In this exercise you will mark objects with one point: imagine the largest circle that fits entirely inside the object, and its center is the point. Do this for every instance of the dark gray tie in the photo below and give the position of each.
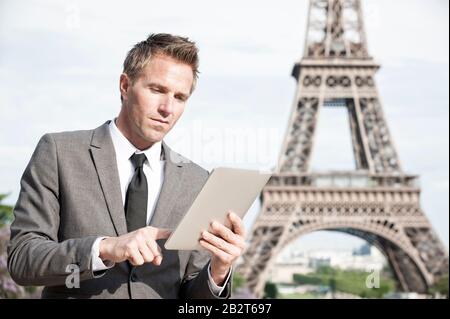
(137, 194)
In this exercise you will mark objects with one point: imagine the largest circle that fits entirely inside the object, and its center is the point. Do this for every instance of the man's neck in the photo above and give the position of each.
(133, 138)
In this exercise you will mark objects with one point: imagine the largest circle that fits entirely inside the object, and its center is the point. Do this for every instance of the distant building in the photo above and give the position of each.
(364, 250)
(317, 262)
(284, 273)
(293, 261)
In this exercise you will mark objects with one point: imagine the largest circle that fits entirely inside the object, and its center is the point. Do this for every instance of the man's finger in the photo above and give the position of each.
(154, 248)
(223, 256)
(220, 244)
(157, 261)
(227, 234)
(236, 222)
(136, 258)
(146, 253)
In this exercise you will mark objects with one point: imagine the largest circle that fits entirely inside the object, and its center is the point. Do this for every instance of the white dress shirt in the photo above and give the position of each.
(154, 172)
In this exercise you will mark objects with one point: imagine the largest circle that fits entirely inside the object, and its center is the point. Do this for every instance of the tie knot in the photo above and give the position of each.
(138, 159)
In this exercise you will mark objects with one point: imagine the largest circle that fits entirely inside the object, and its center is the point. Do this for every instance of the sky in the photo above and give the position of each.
(60, 63)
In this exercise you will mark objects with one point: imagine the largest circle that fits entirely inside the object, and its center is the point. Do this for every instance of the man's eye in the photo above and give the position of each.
(155, 90)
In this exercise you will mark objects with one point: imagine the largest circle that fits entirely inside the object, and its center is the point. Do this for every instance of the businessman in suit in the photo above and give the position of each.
(103, 200)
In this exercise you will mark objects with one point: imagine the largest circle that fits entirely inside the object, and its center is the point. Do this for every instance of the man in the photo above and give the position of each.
(102, 201)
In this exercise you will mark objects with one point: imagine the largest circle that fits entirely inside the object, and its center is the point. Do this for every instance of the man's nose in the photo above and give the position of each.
(166, 105)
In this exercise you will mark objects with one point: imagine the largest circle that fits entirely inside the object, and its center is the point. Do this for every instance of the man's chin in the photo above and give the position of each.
(154, 137)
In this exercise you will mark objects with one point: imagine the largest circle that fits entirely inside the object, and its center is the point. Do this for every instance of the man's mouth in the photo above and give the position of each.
(160, 121)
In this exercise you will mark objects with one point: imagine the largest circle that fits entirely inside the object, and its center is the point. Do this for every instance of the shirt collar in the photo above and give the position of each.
(124, 148)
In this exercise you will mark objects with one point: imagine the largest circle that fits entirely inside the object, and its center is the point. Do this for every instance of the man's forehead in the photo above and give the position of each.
(165, 63)
(166, 71)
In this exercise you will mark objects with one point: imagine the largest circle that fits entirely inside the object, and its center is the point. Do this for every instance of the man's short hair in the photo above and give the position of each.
(176, 47)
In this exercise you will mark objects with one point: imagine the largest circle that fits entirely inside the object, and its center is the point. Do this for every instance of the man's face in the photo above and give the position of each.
(155, 101)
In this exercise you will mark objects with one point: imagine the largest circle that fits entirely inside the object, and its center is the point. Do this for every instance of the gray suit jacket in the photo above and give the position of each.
(70, 194)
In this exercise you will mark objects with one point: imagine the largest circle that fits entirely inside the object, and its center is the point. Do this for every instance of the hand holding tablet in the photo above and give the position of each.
(227, 189)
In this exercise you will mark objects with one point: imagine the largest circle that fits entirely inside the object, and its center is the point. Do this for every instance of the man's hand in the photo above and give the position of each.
(138, 247)
(226, 245)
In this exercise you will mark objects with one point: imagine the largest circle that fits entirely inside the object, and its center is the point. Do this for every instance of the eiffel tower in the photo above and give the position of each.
(377, 201)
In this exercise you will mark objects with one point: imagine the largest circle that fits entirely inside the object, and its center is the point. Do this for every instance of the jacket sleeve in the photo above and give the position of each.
(35, 256)
(195, 282)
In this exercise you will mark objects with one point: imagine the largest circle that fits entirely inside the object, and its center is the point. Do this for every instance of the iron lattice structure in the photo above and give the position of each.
(377, 201)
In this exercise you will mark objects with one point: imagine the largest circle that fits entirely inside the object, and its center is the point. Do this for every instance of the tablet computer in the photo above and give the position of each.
(226, 189)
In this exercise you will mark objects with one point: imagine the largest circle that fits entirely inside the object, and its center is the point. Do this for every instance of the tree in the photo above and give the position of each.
(238, 282)
(332, 285)
(441, 286)
(6, 212)
(270, 290)
(8, 288)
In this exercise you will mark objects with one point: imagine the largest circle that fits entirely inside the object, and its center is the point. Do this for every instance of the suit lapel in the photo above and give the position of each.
(171, 188)
(104, 157)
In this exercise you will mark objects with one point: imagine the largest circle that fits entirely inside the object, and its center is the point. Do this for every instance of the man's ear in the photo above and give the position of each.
(124, 85)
